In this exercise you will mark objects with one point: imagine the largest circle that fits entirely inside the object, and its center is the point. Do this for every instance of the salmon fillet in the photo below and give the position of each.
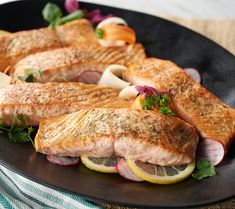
(143, 135)
(36, 101)
(72, 64)
(18, 45)
(192, 102)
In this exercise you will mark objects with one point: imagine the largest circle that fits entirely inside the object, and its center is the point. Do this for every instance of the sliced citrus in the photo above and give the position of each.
(4, 33)
(101, 164)
(160, 174)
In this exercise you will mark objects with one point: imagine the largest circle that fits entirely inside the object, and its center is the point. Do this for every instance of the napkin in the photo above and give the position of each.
(17, 192)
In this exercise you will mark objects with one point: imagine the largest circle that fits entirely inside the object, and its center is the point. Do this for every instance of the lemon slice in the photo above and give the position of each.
(4, 33)
(102, 164)
(161, 174)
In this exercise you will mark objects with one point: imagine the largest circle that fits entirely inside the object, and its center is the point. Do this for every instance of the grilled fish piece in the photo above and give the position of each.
(18, 45)
(36, 101)
(192, 102)
(73, 64)
(143, 135)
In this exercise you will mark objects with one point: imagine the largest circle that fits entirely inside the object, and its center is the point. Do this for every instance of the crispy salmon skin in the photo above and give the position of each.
(18, 45)
(70, 64)
(37, 101)
(142, 135)
(192, 102)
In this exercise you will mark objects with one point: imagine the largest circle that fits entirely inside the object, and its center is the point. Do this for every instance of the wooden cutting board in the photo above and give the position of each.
(222, 32)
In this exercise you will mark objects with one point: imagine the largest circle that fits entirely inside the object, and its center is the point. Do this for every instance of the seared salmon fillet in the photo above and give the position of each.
(18, 45)
(36, 101)
(192, 102)
(75, 64)
(142, 135)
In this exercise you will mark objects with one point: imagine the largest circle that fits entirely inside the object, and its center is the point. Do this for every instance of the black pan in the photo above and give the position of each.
(162, 39)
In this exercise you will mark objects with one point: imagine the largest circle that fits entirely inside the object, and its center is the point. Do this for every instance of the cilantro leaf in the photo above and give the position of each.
(203, 169)
(164, 100)
(149, 102)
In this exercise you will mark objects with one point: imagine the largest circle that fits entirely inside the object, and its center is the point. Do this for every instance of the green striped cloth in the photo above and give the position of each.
(17, 192)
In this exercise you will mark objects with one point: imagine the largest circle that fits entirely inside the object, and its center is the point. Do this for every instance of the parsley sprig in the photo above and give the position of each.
(19, 132)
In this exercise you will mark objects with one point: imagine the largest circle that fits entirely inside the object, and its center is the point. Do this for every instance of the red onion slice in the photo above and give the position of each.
(90, 77)
(63, 161)
(124, 170)
(210, 150)
(194, 74)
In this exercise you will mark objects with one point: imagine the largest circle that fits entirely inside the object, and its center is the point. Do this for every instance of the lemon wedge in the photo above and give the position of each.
(160, 174)
(102, 164)
(4, 33)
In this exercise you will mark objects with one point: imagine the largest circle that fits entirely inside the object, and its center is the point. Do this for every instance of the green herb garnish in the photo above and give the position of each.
(51, 12)
(30, 72)
(203, 169)
(19, 132)
(73, 16)
(53, 15)
(158, 101)
(99, 33)
(166, 111)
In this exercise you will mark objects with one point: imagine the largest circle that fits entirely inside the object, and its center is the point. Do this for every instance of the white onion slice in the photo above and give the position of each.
(109, 43)
(210, 150)
(124, 170)
(63, 161)
(110, 77)
(194, 74)
(4, 80)
(112, 21)
(128, 92)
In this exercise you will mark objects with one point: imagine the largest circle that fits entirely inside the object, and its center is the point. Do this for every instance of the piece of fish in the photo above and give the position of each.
(192, 102)
(18, 45)
(83, 64)
(142, 135)
(36, 101)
